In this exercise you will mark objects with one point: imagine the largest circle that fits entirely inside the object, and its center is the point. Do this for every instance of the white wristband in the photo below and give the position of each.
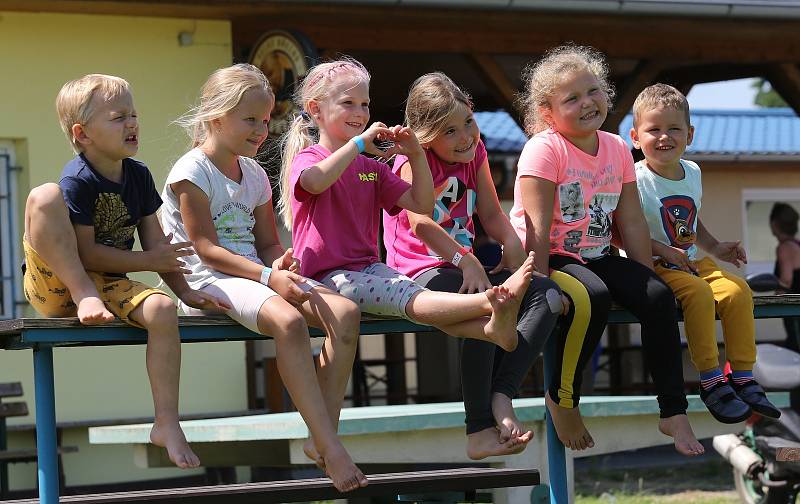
(456, 258)
(265, 273)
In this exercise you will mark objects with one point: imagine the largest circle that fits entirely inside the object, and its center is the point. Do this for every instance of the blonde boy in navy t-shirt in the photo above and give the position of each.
(78, 249)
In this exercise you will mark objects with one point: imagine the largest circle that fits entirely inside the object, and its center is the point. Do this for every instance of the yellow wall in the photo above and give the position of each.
(38, 53)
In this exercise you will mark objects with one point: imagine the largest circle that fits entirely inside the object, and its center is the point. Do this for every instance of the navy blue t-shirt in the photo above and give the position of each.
(114, 210)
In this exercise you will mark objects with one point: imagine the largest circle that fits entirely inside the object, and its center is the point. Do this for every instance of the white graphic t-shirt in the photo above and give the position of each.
(671, 206)
(231, 206)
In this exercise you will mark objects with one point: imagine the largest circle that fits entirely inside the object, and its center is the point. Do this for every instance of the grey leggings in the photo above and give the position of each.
(485, 367)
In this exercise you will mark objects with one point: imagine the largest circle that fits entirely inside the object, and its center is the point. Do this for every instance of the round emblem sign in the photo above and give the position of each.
(285, 58)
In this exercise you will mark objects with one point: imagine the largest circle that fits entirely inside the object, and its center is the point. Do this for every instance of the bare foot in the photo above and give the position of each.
(679, 429)
(486, 443)
(502, 326)
(518, 283)
(569, 425)
(508, 424)
(342, 471)
(171, 437)
(310, 449)
(92, 311)
(522, 442)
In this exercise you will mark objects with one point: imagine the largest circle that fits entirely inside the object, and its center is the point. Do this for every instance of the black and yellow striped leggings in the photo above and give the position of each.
(592, 286)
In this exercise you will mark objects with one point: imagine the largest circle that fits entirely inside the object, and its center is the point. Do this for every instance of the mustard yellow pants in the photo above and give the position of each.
(714, 291)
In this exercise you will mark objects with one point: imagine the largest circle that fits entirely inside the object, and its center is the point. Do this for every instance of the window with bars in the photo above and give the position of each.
(10, 237)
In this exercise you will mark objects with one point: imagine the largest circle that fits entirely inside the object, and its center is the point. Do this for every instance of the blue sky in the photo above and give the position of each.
(734, 94)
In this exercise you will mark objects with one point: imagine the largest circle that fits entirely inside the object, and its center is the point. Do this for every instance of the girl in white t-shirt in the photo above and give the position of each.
(575, 183)
(219, 198)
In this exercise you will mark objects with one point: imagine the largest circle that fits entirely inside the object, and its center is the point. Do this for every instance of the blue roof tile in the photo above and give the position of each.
(768, 131)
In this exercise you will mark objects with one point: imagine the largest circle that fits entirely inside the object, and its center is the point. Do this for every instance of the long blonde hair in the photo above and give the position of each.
(543, 77)
(303, 130)
(220, 94)
(431, 100)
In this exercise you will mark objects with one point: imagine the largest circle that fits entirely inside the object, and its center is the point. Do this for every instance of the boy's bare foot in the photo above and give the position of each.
(310, 449)
(569, 425)
(171, 437)
(678, 428)
(342, 471)
(508, 424)
(502, 326)
(486, 443)
(92, 311)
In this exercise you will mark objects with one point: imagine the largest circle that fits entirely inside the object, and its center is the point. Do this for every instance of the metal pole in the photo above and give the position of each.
(46, 444)
(556, 458)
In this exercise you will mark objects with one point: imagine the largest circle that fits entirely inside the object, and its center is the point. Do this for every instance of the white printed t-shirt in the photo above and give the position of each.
(231, 206)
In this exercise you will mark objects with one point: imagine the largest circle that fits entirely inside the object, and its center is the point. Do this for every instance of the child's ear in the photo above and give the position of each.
(79, 134)
(635, 139)
(313, 108)
(691, 135)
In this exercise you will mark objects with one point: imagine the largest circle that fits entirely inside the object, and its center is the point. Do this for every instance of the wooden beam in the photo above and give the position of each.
(496, 79)
(645, 73)
(420, 482)
(12, 389)
(785, 80)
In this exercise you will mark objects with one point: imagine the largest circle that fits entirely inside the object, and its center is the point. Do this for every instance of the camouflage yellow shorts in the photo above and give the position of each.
(50, 297)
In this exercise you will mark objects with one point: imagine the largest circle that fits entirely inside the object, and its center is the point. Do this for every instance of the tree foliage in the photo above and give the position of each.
(766, 96)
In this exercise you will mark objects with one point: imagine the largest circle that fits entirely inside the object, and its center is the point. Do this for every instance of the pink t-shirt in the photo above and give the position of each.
(587, 190)
(455, 188)
(338, 228)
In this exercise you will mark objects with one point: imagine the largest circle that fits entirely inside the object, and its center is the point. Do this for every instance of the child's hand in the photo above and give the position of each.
(287, 262)
(475, 279)
(731, 252)
(376, 131)
(203, 301)
(565, 304)
(287, 285)
(511, 260)
(405, 142)
(679, 258)
(164, 256)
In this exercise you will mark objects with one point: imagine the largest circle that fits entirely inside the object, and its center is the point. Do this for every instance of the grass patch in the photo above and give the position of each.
(709, 482)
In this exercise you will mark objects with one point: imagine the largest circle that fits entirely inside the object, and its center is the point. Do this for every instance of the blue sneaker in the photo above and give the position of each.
(724, 405)
(752, 393)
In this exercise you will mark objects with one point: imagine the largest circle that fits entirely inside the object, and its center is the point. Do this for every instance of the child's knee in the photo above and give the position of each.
(737, 291)
(160, 311)
(349, 315)
(699, 292)
(283, 323)
(44, 197)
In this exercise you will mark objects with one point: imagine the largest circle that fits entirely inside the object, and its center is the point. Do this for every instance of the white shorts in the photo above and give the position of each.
(377, 289)
(245, 297)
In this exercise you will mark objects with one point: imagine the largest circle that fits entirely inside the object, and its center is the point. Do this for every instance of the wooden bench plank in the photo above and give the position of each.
(13, 389)
(12, 409)
(30, 455)
(461, 479)
(28, 332)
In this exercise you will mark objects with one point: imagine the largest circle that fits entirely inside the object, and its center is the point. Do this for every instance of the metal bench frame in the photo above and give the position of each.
(41, 335)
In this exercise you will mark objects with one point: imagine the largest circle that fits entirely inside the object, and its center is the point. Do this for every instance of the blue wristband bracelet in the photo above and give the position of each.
(265, 274)
(359, 143)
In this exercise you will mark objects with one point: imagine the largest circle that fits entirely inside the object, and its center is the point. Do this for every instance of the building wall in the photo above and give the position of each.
(38, 53)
